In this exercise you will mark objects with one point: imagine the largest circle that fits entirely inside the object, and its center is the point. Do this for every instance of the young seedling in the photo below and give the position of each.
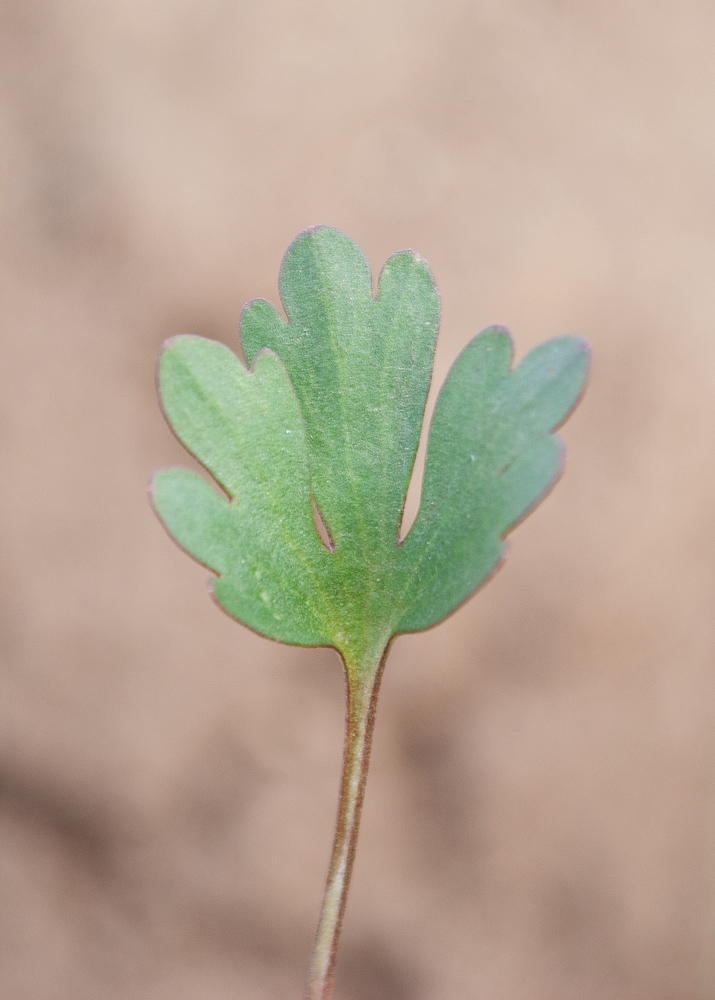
(325, 423)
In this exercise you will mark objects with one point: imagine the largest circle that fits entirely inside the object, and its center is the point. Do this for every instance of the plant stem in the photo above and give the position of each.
(362, 687)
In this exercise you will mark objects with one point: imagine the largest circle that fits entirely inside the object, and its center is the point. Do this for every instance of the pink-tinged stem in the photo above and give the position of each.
(362, 684)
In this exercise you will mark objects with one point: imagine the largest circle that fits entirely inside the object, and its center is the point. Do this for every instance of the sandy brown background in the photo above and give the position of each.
(540, 819)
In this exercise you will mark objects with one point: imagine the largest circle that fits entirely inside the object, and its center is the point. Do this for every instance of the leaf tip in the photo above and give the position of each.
(264, 353)
(501, 330)
(320, 230)
(173, 342)
(151, 485)
(584, 352)
(581, 348)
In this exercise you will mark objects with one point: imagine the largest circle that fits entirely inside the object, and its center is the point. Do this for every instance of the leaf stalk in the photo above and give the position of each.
(362, 684)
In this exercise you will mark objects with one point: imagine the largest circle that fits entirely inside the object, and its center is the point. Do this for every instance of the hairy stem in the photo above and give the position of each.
(362, 687)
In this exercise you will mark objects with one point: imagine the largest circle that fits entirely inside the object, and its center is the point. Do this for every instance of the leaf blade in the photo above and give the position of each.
(246, 429)
(361, 369)
(331, 413)
(489, 462)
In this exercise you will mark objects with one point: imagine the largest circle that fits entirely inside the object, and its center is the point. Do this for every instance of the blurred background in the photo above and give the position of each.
(540, 818)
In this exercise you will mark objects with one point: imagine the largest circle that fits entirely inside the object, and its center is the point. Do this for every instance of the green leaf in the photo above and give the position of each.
(339, 425)
(491, 457)
(246, 429)
(361, 369)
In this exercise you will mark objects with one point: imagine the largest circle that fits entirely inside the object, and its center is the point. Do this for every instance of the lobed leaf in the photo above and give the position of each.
(246, 429)
(491, 457)
(361, 369)
(337, 421)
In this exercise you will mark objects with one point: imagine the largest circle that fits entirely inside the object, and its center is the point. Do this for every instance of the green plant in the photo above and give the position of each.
(330, 414)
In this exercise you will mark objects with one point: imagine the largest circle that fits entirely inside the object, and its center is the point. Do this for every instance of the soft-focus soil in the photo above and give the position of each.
(539, 820)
